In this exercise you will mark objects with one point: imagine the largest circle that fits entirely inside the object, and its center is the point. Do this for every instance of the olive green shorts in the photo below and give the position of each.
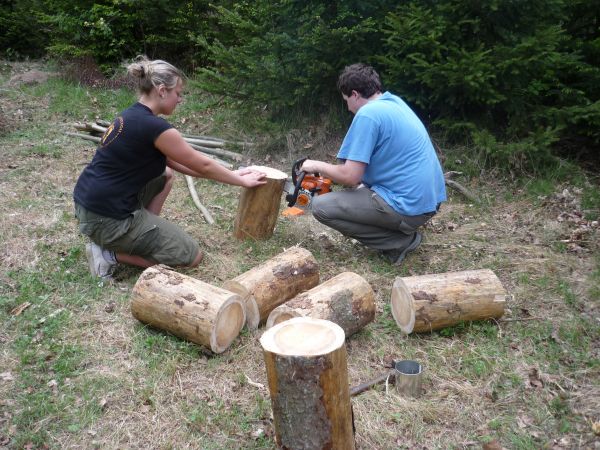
(142, 233)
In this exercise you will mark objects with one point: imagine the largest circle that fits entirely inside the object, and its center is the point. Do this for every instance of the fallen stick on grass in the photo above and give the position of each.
(459, 187)
(205, 212)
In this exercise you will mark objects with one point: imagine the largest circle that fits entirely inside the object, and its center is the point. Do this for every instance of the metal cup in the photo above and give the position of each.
(408, 378)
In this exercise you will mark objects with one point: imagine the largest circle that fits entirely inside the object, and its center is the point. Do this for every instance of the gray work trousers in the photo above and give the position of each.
(363, 215)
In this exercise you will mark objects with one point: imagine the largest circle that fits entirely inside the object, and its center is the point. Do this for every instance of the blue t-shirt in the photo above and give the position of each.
(124, 162)
(402, 167)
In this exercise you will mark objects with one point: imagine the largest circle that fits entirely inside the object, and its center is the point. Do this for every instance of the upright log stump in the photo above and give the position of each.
(346, 299)
(188, 308)
(307, 371)
(258, 207)
(431, 302)
(278, 279)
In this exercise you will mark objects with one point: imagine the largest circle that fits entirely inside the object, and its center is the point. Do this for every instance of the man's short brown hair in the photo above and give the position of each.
(361, 78)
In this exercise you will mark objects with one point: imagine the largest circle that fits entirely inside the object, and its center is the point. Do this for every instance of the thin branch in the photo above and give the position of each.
(87, 137)
(459, 187)
(204, 142)
(205, 212)
(218, 152)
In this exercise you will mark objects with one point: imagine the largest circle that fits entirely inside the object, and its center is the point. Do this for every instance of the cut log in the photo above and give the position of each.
(278, 279)
(346, 299)
(306, 364)
(258, 207)
(431, 302)
(188, 308)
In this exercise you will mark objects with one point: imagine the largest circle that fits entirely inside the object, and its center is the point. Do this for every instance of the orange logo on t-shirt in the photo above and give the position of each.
(112, 132)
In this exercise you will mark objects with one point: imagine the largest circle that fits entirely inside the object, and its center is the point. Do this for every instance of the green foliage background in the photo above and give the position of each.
(518, 80)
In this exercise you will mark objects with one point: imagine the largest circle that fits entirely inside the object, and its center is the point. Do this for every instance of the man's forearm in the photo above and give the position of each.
(350, 173)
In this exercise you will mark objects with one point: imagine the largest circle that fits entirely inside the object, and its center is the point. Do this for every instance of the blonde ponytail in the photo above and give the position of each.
(151, 74)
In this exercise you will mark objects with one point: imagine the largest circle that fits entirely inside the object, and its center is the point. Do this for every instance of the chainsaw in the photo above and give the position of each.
(305, 188)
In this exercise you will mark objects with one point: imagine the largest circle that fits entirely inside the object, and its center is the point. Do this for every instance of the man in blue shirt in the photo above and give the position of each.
(389, 161)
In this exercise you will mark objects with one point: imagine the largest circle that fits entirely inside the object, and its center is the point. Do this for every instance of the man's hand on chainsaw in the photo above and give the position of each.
(350, 173)
(311, 166)
(251, 177)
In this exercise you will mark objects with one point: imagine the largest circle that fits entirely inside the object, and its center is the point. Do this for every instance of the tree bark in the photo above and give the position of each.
(278, 279)
(431, 302)
(258, 207)
(306, 364)
(188, 308)
(346, 299)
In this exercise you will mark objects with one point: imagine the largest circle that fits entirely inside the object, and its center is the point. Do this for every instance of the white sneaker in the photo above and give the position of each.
(99, 267)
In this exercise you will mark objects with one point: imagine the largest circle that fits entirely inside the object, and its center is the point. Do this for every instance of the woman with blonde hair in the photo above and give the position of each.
(120, 194)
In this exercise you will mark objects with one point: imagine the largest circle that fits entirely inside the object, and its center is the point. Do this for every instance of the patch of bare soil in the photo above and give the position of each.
(16, 109)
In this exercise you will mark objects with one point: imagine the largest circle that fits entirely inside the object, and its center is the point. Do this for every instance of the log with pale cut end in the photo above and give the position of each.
(188, 308)
(258, 207)
(271, 283)
(346, 299)
(431, 302)
(307, 370)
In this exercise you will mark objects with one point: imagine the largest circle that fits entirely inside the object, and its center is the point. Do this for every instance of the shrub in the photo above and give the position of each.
(509, 75)
(286, 54)
(112, 31)
(20, 32)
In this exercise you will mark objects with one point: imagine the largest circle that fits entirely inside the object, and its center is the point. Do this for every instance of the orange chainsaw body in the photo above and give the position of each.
(312, 185)
(305, 188)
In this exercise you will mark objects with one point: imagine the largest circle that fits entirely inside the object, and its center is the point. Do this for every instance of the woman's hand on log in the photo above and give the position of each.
(251, 177)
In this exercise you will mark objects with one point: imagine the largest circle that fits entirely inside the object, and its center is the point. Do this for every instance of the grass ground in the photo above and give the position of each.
(78, 371)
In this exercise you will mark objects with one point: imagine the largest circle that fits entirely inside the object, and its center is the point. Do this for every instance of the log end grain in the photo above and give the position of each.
(281, 314)
(402, 305)
(228, 324)
(303, 336)
(270, 172)
(252, 313)
(250, 304)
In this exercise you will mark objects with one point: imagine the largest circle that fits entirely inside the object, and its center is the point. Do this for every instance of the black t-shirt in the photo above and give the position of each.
(123, 164)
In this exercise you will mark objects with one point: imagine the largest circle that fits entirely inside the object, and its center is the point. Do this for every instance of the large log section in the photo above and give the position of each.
(188, 308)
(278, 279)
(258, 207)
(307, 370)
(430, 302)
(346, 299)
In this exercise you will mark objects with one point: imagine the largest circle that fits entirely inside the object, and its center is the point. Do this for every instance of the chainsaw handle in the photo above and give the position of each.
(296, 170)
(297, 178)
